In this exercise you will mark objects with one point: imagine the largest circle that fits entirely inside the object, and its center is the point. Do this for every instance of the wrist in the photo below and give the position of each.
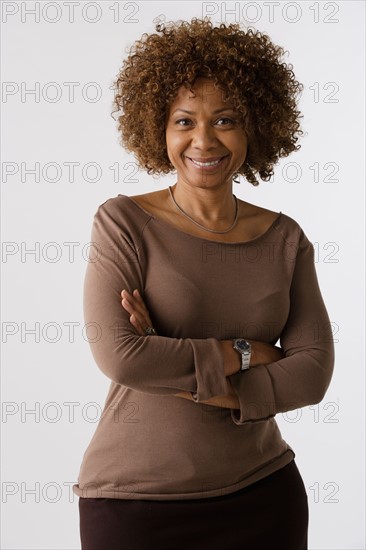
(232, 359)
(244, 349)
(252, 352)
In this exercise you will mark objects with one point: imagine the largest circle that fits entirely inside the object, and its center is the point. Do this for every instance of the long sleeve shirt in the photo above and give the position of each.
(150, 444)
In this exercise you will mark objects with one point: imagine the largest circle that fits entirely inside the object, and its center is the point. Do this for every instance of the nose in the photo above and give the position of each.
(203, 136)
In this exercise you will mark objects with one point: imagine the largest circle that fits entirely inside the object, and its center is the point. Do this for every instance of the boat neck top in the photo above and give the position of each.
(169, 226)
(151, 444)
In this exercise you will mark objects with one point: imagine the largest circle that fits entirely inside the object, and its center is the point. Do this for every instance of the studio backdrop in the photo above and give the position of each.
(61, 159)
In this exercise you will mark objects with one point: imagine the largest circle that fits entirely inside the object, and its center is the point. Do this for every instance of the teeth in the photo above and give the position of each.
(206, 163)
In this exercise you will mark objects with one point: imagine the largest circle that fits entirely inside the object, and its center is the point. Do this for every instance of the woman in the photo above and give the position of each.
(185, 299)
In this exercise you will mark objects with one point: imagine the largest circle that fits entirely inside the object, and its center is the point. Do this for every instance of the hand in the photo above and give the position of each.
(134, 304)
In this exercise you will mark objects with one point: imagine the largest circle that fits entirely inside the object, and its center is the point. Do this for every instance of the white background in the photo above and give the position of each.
(44, 452)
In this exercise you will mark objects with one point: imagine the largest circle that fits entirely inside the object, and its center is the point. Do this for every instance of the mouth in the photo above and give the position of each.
(209, 163)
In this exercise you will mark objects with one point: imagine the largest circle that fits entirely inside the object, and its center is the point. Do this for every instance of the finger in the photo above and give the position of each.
(137, 304)
(135, 322)
(131, 308)
(139, 307)
(137, 325)
(132, 304)
(140, 318)
(139, 300)
(140, 327)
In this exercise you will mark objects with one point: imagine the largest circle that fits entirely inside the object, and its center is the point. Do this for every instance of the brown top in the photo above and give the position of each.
(150, 444)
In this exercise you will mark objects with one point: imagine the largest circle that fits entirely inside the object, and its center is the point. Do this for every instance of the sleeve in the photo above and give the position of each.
(151, 364)
(302, 377)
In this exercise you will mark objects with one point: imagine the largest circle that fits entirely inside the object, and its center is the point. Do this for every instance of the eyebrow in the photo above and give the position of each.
(213, 112)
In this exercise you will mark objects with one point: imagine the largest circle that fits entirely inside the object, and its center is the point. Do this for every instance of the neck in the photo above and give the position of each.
(211, 207)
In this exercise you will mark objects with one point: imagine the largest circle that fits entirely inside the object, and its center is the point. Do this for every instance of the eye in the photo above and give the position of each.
(181, 120)
(226, 118)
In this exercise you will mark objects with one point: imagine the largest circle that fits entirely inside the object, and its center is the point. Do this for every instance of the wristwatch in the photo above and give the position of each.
(245, 348)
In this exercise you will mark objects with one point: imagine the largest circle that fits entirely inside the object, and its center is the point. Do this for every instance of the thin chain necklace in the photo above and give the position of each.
(201, 226)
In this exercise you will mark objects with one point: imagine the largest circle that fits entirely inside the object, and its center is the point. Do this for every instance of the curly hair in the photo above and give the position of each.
(245, 64)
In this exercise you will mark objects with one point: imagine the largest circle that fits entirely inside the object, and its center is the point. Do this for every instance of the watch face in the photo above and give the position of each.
(242, 345)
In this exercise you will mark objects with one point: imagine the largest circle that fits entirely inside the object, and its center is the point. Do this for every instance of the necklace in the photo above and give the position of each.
(201, 226)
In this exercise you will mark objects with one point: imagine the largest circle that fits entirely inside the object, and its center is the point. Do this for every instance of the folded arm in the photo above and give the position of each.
(303, 375)
(152, 364)
(261, 351)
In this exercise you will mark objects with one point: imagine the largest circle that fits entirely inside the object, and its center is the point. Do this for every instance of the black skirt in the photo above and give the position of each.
(270, 513)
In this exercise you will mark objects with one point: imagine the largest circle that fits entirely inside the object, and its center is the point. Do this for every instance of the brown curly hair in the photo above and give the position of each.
(245, 64)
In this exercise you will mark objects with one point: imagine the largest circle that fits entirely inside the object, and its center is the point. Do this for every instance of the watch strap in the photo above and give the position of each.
(245, 355)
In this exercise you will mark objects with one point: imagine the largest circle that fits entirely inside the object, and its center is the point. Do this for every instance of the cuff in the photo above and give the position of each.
(209, 365)
(254, 390)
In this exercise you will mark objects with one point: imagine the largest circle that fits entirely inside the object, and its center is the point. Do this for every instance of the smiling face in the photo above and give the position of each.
(209, 132)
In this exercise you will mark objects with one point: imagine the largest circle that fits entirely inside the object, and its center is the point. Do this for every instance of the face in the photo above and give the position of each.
(209, 132)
